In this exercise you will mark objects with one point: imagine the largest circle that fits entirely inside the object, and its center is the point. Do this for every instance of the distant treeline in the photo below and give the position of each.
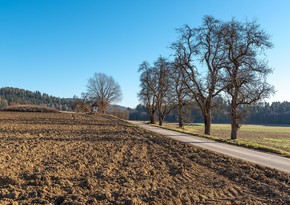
(261, 113)
(266, 113)
(12, 96)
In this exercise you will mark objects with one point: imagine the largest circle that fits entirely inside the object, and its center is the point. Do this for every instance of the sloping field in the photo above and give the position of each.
(57, 158)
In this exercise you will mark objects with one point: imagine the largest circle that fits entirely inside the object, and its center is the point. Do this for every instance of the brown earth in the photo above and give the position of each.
(57, 158)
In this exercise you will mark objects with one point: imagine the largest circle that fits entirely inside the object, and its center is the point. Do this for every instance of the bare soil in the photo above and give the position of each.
(57, 158)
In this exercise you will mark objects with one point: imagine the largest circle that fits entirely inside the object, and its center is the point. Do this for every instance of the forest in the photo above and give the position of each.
(12, 96)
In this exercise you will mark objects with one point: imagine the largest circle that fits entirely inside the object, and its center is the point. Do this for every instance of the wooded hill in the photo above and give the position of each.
(11, 96)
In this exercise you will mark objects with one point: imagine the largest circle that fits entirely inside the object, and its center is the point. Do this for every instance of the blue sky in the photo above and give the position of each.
(54, 46)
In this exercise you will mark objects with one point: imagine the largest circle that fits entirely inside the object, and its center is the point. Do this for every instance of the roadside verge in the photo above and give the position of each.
(261, 158)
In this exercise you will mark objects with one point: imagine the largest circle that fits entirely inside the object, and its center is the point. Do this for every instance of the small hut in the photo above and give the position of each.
(95, 108)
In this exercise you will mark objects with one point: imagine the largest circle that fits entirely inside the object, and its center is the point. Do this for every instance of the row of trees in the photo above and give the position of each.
(162, 89)
(216, 60)
(261, 113)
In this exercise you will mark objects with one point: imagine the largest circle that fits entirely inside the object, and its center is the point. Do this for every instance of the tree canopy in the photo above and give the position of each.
(103, 90)
(217, 60)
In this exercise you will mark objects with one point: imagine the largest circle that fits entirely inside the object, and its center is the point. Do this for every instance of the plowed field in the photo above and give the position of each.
(57, 158)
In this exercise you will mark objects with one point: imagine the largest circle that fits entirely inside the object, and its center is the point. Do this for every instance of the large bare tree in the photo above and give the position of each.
(149, 89)
(180, 90)
(246, 70)
(200, 55)
(165, 95)
(103, 90)
(157, 88)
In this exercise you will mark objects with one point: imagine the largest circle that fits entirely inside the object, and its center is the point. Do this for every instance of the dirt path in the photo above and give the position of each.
(51, 158)
(261, 158)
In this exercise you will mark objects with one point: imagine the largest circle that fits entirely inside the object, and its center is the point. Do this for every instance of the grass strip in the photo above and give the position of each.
(241, 143)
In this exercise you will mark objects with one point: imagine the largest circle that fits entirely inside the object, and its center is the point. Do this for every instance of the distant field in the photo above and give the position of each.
(276, 137)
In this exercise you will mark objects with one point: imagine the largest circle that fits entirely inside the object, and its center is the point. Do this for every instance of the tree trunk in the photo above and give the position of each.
(207, 123)
(161, 119)
(180, 120)
(234, 121)
(102, 109)
(180, 117)
(234, 131)
(160, 122)
(152, 119)
(207, 116)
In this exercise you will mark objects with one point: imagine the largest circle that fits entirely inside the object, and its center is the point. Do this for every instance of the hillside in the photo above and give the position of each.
(62, 158)
(12, 96)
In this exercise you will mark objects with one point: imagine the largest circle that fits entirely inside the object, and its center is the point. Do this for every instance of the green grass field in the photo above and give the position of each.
(268, 138)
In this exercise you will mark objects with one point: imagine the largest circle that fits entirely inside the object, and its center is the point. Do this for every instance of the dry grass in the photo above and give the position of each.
(268, 138)
(62, 158)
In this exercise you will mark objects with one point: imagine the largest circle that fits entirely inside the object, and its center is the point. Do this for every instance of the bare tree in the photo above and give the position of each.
(246, 71)
(165, 94)
(103, 90)
(196, 49)
(180, 89)
(156, 88)
(148, 92)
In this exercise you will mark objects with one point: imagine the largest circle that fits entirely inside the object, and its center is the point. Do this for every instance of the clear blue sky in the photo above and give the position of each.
(54, 46)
